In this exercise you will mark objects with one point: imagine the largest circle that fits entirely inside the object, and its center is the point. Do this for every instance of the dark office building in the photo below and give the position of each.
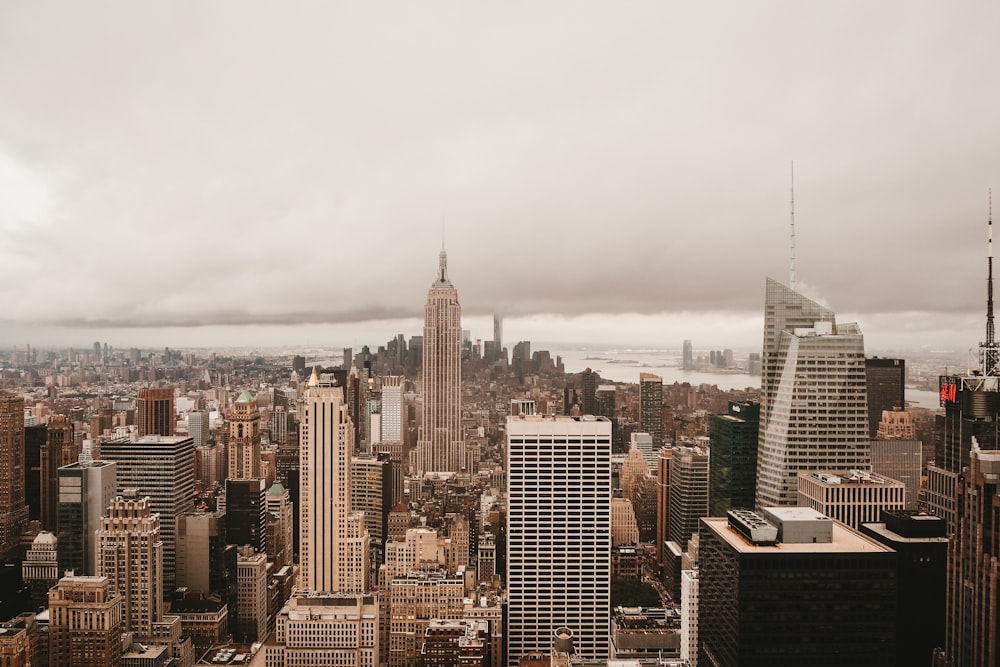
(246, 513)
(886, 380)
(732, 475)
(588, 390)
(651, 407)
(921, 546)
(792, 587)
(34, 443)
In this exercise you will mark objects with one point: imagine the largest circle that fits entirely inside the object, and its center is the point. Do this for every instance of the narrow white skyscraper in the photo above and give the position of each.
(558, 533)
(333, 540)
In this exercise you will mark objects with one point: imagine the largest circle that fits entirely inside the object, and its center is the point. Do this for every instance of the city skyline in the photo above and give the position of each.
(584, 164)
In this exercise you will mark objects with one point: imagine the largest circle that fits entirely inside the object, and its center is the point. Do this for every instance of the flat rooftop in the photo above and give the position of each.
(844, 541)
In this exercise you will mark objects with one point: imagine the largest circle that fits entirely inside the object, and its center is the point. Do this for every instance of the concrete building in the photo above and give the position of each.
(154, 412)
(814, 414)
(252, 598)
(624, 529)
(86, 621)
(663, 504)
(853, 497)
(198, 422)
(40, 569)
(455, 643)
(13, 508)
(85, 490)
(441, 443)
(324, 629)
(281, 524)
(558, 533)
(200, 552)
(787, 586)
(689, 616)
(161, 467)
(372, 493)
(732, 481)
(392, 408)
(651, 407)
(334, 553)
(414, 600)
(244, 438)
(688, 492)
(130, 555)
(896, 453)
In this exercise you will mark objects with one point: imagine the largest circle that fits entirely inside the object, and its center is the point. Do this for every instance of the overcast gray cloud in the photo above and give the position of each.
(182, 164)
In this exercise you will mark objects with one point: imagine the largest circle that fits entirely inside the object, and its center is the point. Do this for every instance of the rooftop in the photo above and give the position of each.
(845, 540)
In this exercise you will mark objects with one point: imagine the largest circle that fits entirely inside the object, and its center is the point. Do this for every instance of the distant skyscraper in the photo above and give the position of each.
(155, 411)
(161, 467)
(651, 407)
(809, 361)
(886, 381)
(897, 453)
(334, 543)
(733, 472)
(198, 426)
(130, 555)
(687, 356)
(13, 509)
(441, 446)
(246, 512)
(85, 489)
(558, 533)
(498, 331)
(392, 408)
(588, 388)
(244, 438)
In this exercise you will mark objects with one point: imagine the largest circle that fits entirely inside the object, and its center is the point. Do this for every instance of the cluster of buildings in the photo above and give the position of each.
(350, 516)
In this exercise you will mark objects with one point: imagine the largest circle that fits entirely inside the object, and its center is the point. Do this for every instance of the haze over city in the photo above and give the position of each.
(203, 174)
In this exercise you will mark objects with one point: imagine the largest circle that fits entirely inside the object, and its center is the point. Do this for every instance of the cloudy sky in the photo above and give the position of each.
(207, 173)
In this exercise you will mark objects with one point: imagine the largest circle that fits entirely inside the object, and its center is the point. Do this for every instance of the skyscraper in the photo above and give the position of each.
(244, 438)
(687, 358)
(130, 555)
(161, 467)
(558, 533)
(86, 620)
(815, 411)
(651, 407)
(886, 380)
(733, 473)
(688, 492)
(85, 489)
(392, 409)
(441, 446)
(333, 540)
(60, 450)
(246, 513)
(155, 411)
(13, 510)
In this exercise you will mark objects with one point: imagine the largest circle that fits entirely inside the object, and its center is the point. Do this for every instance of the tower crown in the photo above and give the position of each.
(442, 275)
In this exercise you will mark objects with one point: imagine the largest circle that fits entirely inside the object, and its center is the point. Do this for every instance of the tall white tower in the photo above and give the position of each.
(558, 533)
(333, 540)
(814, 414)
(441, 447)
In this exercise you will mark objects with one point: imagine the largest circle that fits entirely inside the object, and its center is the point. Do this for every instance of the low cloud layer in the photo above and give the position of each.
(209, 164)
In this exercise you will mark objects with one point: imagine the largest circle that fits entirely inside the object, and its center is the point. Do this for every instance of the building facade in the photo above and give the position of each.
(558, 533)
(851, 497)
(734, 436)
(154, 412)
(651, 407)
(85, 489)
(13, 509)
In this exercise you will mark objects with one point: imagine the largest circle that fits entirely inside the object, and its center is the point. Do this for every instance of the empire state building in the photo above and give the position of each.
(440, 447)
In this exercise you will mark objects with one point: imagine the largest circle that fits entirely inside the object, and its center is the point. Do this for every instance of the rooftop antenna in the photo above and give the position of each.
(791, 276)
(990, 346)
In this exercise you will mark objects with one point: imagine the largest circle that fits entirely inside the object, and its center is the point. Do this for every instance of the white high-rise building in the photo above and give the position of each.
(333, 540)
(392, 408)
(558, 533)
(441, 446)
(689, 616)
(814, 413)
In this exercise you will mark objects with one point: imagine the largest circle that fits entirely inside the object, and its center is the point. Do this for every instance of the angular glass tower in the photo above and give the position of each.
(814, 414)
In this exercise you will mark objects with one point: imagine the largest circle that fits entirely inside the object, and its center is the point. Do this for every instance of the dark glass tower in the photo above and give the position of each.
(732, 479)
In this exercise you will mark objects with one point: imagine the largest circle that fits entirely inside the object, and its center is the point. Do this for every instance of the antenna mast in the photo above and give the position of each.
(990, 350)
(791, 276)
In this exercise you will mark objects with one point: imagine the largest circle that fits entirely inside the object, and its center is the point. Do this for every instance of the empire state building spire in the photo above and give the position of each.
(442, 278)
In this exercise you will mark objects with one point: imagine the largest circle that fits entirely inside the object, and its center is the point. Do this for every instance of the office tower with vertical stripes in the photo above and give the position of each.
(558, 533)
(13, 509)
(154, 410)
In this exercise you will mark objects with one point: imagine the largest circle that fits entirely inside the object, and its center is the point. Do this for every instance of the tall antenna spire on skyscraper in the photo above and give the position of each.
(791, 272)
(990, 350)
